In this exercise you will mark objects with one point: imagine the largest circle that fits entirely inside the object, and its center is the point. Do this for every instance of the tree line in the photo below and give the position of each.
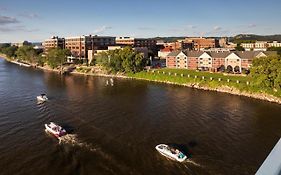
(122, 60)
(54, 58)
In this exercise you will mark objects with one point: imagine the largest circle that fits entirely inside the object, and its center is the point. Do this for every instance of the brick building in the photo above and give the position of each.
(54, 42)
(202, 43)
(137, 42)
(80, 45)
(214, 61)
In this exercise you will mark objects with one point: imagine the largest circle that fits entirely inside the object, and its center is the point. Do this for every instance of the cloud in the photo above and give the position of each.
(8, 20)
(101, 29)
(217, 28)
(252, 25)
(191, 26)
(29, 15)
(19, 28)
(145, 28)
(3, 9)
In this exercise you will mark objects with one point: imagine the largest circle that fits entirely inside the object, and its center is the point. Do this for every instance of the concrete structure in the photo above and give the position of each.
(214, 61)
(272, 164)
(54, 42)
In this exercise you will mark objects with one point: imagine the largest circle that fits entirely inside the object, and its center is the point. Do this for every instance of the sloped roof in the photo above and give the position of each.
(219, 54)
(242, 54)
(174, 53)
(193, 53)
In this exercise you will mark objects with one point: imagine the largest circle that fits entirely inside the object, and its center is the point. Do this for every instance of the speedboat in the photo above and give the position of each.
(42, 97)
(170, 152)
(55, 129)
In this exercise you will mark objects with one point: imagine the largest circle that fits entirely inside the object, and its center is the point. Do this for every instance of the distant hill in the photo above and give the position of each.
(169, 39)
(250, 37)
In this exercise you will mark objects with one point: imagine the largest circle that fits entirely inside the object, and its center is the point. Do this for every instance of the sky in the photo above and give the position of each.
(36, 20)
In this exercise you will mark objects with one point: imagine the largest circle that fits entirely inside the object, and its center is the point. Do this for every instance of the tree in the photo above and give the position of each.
(239, 48)
(266, 72)
(27, 53)
(278, 49)
(122, 60)
(9, 51)
(56, 57)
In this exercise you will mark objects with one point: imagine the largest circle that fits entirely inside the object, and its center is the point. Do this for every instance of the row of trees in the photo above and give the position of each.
(54, 58)
(266, 72)
(122, 60)
(9, 51)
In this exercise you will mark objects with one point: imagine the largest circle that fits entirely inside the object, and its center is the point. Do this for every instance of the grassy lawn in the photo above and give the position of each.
(206, 79)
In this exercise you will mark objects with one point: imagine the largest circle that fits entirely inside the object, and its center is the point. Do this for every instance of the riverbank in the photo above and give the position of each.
(211, 86)
(209, 82)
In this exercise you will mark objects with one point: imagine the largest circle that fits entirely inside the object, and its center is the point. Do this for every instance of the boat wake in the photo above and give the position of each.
(192, 162)
(73, 140)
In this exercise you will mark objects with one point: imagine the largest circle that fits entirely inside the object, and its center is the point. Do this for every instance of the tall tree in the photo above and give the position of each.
(56, 57)
(266, 72)
(27, 53)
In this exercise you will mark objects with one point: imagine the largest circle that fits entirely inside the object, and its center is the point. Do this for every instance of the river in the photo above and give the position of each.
(115, 128)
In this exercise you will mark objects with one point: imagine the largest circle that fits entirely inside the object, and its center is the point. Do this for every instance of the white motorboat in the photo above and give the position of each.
(170, 152)
(42, 97)
(55, 129)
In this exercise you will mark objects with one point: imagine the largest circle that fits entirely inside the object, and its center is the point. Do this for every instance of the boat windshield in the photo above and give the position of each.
(181, 155)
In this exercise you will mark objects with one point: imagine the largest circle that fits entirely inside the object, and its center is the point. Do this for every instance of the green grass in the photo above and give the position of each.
(211, 80)
(83, 69)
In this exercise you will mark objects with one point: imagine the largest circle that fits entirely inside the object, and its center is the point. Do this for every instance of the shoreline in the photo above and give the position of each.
(222, 89)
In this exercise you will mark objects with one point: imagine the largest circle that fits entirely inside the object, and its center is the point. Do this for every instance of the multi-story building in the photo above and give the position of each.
(260, 45)
(274, 44)
(102, 42)
(178, 45)
(54, 42)
(202, 43)
(214, 61)
(80, 45)
(137, 42)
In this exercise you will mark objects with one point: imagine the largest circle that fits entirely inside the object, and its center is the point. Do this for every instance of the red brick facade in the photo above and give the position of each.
(242, 60)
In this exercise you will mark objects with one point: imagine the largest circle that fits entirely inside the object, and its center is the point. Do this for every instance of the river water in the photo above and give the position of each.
(114, 129)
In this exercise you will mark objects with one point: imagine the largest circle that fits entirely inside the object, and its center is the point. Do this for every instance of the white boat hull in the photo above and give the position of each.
(40, 98)
(56, 132)
(165, 151)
